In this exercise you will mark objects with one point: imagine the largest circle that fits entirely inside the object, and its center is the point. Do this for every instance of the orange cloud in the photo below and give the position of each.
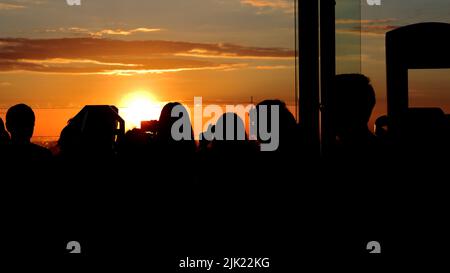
(287, 6)
(104, 32)
(106, 56)
(367, 30)
(79, 66)
(272, 67)
(366, 21)
(230, 51)
(130, 72)
(368, 27)
(5, 6)
(123, 32)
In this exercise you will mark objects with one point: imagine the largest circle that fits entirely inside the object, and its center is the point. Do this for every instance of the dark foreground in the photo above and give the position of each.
(316, 215)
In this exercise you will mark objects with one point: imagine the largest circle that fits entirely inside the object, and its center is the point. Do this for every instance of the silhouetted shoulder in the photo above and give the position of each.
(40, 152)
(27, 152)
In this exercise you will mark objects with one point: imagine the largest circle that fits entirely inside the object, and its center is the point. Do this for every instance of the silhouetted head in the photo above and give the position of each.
(175, 134)
(288, 129)
(20, 123)
(353, 102)
(172, 113)
(230, 136)
(92, 133)
(230, 127)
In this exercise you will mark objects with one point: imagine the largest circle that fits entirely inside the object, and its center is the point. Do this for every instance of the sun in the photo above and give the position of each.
(139, 106)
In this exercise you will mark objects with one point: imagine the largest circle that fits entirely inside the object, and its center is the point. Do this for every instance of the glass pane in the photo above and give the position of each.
(348, 39)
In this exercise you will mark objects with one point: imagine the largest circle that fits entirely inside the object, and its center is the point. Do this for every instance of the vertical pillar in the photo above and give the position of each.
(308, 33)
(328, 71)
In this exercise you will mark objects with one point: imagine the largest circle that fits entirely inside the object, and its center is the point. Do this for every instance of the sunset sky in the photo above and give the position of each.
(57, 58)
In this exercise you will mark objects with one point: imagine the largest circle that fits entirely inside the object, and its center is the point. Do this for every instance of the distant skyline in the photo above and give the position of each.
(56, 56)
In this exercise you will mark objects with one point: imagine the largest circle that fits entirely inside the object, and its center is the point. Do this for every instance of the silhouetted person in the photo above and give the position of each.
(20, 120)
(226, 157)
(289, 131)
(234, 141)
(174, 145)
(230, 152)
(165, 140)
(353, 103)
(357, 166)
(92, 134)
(136, 145)
(4, 136)
(205, 143)
(280, 163)
(4, 140)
